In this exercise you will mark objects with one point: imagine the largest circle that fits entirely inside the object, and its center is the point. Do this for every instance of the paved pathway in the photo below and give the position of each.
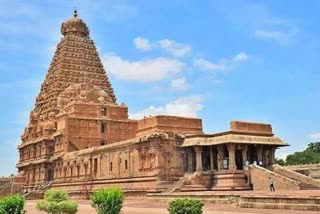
(143, 206)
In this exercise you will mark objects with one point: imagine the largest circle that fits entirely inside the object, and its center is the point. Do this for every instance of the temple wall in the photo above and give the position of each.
(84, 125)
(86, 133)
(155, 158)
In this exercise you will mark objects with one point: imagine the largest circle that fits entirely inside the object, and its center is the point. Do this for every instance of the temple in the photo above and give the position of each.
(79, 138)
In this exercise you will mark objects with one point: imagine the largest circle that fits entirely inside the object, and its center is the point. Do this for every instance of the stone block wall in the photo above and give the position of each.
(162, 123)
(249, 127)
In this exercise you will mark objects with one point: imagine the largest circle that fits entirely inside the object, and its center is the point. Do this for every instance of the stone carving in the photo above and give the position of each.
(83, 92)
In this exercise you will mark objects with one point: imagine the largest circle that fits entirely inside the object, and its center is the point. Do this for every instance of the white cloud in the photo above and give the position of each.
(262, 21)
(170, 46)
(175, 48)
(241, 57)
(278, 36)
(315, 136)
(185, 106)
(145, 70)
(180, 84)
(221, 65)
(206, 65)
(142, 44)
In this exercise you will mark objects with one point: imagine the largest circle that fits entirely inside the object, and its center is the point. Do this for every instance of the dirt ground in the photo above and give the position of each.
(144, 206)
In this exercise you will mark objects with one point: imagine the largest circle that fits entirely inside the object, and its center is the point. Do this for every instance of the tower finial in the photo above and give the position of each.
(75, 13)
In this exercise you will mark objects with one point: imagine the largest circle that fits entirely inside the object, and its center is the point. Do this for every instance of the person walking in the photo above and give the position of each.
(271, 184)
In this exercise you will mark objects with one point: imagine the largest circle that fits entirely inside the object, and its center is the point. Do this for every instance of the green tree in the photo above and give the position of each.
(12, 204)
(308, 156)
(280, 161)
(107, 201)
(56, 202)
(314, 147)
(185, 206)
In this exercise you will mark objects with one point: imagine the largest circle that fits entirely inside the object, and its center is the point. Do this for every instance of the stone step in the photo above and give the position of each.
(280, 199)
(208, 198)
(287, 206)
(36, 195)
(192, 188)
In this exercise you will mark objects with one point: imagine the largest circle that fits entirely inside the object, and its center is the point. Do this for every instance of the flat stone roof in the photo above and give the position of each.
(232, 137)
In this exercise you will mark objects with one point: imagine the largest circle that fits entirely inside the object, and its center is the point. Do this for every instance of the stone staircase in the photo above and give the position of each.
(306, 183)
(259, 178)
(223, 181)
(178, 185)
(38, 191)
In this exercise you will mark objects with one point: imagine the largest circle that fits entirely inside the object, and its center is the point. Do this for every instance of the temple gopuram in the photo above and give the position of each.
(79, 138)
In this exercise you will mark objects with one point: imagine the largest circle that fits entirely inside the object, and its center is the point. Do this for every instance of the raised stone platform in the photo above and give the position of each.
(280, 202)
(217, 181)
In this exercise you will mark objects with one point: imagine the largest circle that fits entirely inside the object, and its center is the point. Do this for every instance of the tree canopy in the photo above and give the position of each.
(308, 156)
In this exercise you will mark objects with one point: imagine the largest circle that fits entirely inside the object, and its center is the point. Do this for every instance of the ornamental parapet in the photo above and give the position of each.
(36, 140)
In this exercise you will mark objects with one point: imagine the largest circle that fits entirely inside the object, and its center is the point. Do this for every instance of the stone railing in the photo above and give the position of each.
(303, 166)
(6, 189)
(259, 178)
(296, 176)
(176, 187)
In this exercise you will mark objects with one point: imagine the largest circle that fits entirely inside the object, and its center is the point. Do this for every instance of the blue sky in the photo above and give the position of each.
(218, 60)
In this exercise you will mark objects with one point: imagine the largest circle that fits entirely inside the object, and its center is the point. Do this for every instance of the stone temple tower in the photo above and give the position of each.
(75, 108)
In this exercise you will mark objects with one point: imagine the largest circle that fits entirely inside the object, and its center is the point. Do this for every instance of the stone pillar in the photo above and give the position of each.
(190, 159)
(244, 153)
(212, 158)
(198, 150)
(100, 169)
(232, 163)
(273, 157)
(220, 157)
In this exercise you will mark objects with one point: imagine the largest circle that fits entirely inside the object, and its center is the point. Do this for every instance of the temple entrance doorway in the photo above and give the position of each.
(206, 163)
(50, 175)
(252, 153)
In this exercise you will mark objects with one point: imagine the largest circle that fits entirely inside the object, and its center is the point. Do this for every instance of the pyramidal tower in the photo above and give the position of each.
(75, 63)
(75, 109)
